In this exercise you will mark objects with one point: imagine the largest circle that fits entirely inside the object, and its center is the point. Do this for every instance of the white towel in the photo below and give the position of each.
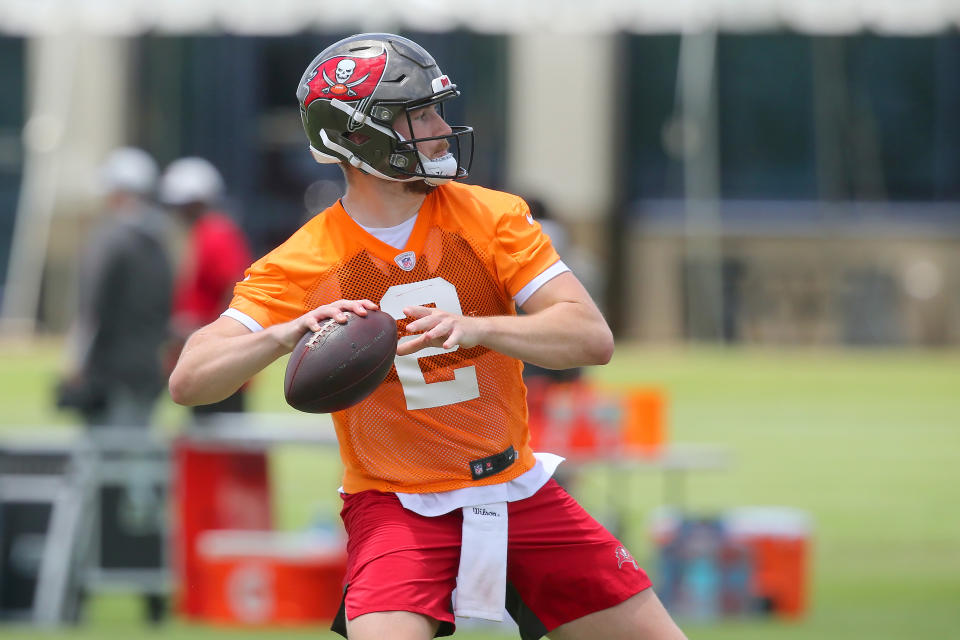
(482, 580)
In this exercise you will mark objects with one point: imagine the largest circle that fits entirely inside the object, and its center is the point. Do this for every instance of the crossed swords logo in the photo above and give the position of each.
(344, 70)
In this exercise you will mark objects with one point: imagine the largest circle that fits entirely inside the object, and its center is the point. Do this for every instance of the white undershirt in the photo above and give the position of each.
(396, 236)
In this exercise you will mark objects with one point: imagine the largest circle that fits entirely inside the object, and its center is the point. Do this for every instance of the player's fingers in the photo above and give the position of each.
(453, 339)
(334, 310)
(423, 324)
(440, 331)
(407, 347)
(367, 304)
(417, 311)
(342, 307)
(360, 307)
(314, 320)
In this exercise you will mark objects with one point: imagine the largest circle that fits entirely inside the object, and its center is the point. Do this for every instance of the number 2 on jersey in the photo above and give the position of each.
(419, 393)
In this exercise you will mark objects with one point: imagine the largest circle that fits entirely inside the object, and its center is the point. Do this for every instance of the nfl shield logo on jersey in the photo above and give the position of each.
(406, 260)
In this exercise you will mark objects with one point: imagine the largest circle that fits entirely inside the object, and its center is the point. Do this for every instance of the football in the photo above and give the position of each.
(341, 364)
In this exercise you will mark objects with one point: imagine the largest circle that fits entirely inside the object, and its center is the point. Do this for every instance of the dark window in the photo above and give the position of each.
(905, 97)
(652, 61)
(860, 117)
(765, 120)
(12, 65)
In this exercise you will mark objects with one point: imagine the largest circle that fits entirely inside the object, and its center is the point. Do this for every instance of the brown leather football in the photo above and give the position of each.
(341, 364)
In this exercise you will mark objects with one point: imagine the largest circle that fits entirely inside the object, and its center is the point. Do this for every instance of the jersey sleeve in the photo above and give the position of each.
(524, 250)
(274, 287)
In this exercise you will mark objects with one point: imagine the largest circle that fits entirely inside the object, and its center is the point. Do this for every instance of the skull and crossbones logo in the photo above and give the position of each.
(623, 557)
(342, 73)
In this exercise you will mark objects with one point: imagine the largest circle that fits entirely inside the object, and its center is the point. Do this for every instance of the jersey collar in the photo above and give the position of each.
(381, 249)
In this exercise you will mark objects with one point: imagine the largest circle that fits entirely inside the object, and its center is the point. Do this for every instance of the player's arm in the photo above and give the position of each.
(218, 358)
(561, 328)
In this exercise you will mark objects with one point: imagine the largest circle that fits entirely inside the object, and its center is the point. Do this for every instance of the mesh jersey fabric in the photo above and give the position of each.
(471, 250)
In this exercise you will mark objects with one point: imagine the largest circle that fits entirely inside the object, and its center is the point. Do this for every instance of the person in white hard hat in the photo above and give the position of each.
(215, 256)
(125, 284)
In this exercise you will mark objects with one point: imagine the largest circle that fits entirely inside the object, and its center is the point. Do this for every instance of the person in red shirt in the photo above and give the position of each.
(215, 256)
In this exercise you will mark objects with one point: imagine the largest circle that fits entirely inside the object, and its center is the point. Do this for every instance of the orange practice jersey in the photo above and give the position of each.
(470, 252)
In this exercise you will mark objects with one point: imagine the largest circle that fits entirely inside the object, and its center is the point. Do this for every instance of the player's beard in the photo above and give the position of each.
(419, 187)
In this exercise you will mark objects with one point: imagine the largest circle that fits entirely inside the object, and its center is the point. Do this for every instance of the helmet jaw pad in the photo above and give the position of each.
(350, 151)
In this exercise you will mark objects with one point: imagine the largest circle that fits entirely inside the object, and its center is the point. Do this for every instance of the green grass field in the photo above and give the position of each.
(868, 442)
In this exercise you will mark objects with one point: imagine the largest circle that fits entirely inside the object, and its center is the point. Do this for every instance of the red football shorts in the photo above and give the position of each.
(561, 563)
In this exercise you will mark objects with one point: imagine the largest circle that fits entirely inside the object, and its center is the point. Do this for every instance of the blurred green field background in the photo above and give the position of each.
(868, 442)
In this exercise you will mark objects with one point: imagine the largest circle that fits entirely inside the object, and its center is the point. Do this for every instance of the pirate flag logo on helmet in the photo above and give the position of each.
(346, 78)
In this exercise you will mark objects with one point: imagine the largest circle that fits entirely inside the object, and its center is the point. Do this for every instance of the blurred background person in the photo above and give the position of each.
(114, 378)
(215, 256)
(125, 288)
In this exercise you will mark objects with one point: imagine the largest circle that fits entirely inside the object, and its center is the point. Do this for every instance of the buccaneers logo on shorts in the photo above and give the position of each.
(623, 557)
(346, 78)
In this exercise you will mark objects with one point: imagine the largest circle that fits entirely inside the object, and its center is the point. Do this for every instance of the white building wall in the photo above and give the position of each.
(560, 121)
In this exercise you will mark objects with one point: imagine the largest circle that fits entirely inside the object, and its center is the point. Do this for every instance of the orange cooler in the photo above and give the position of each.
(582, 422)
(215, 486)
(271, 579)
(645, 424)
(779, 538)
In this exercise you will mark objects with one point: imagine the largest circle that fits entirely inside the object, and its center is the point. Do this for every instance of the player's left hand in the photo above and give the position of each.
(439, 329)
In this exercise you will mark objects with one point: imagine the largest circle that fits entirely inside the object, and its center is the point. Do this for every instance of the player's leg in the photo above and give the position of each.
(401, 570)
(641, 617)
(396, 625)
(571, 578)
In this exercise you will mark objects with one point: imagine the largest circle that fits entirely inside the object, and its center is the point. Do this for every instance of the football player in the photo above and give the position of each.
(448, 511)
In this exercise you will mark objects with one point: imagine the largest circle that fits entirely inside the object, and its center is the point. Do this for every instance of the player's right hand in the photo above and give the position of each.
(289, 333)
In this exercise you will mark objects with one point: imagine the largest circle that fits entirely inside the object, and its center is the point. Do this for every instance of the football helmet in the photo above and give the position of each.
(353, 92)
